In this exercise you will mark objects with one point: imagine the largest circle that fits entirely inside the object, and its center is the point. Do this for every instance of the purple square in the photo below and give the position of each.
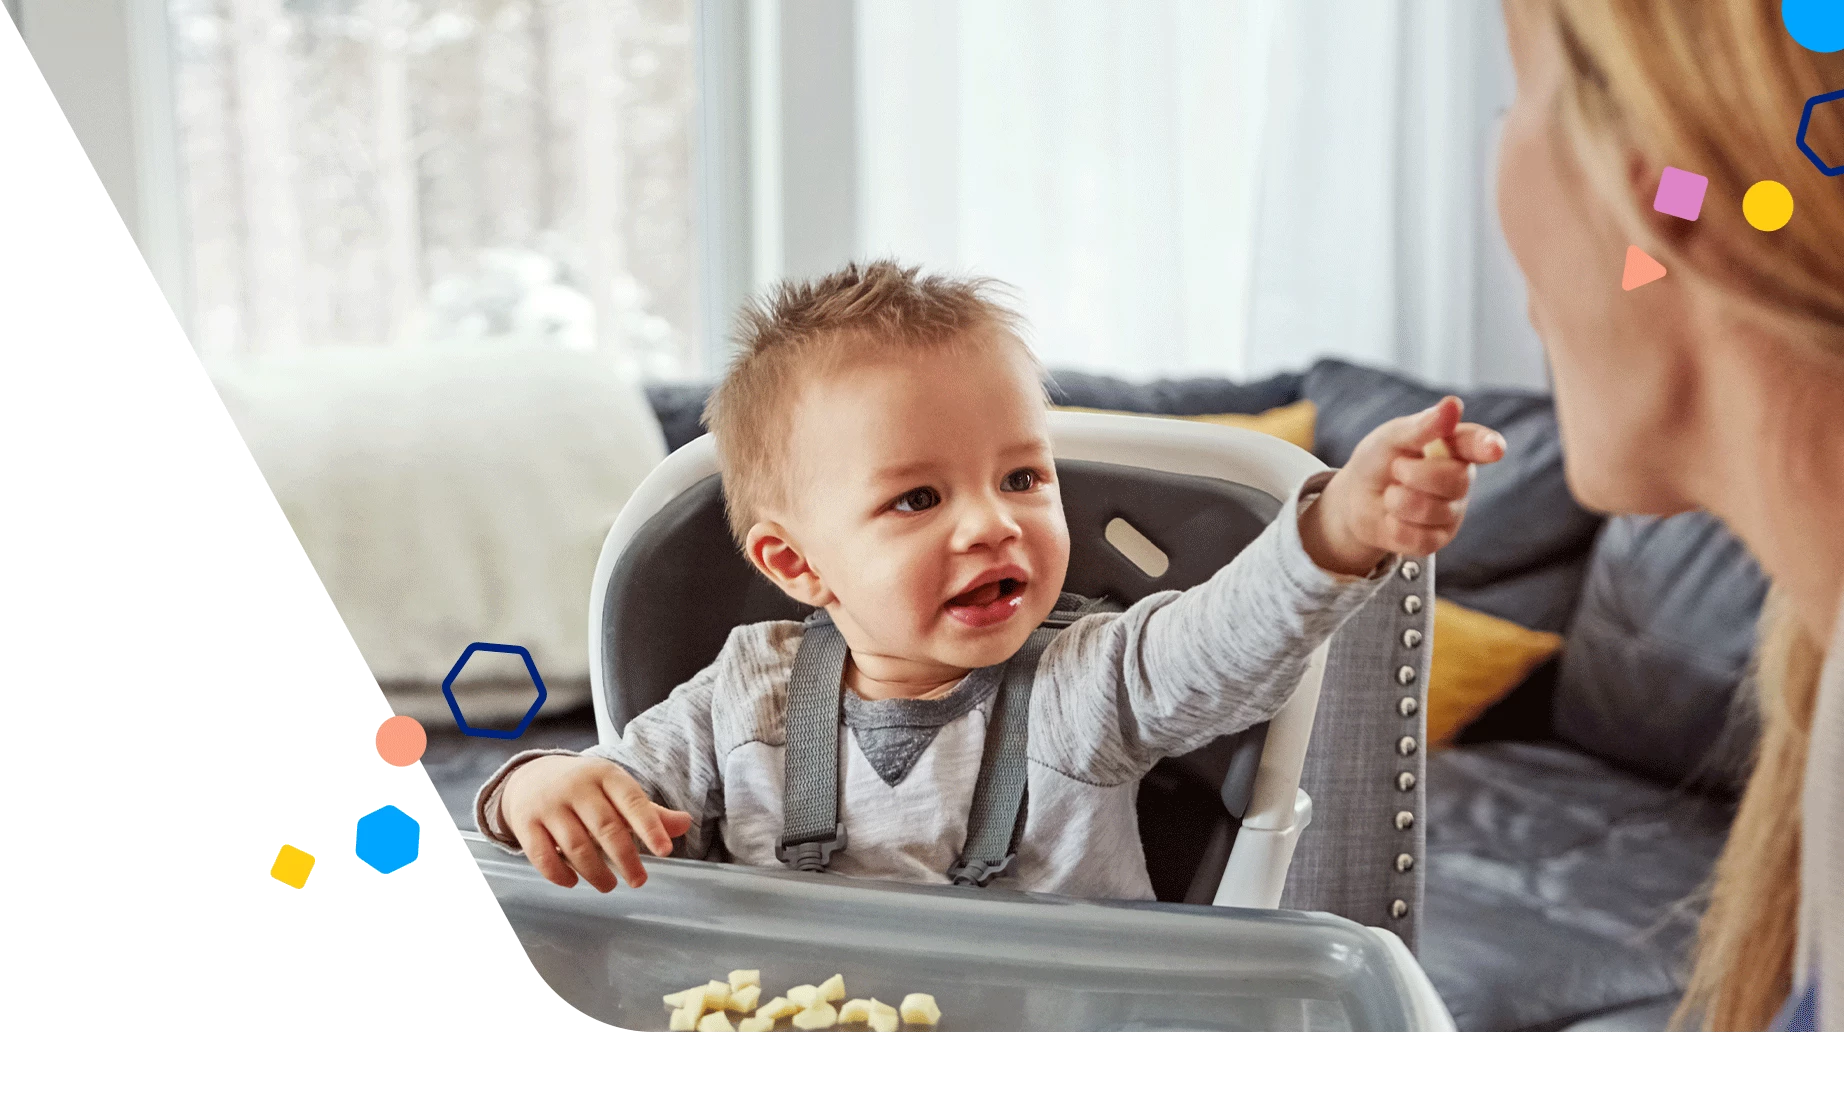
(1680, 193)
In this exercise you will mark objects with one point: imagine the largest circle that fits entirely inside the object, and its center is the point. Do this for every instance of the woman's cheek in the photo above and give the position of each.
(1515, 201)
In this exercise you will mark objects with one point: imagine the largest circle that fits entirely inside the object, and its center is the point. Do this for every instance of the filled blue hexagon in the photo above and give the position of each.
(388, 839)
(531, 669)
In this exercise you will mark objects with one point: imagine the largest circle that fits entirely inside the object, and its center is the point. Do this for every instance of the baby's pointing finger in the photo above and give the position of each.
(1477, 444)
(1439, 478)
(1437, 422)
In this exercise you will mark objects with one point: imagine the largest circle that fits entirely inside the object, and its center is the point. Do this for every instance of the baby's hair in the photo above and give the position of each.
(799, 331)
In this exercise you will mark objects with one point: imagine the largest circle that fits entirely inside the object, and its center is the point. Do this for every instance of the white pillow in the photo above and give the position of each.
(448, 495)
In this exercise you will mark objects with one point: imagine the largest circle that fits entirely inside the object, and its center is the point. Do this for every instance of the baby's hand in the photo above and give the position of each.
(567, 812)
(1404, 490)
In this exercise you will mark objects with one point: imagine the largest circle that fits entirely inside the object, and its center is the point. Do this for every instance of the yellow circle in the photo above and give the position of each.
(1768, 205)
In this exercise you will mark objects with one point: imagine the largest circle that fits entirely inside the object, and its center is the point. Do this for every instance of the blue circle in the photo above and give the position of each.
(1817, 25)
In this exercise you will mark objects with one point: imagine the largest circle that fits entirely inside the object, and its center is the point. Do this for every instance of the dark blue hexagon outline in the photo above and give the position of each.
(448, 690)
(1805, 121)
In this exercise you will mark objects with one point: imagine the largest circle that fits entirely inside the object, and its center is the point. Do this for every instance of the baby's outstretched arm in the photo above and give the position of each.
(1403, 490)
(569, 812)
(1116, 694)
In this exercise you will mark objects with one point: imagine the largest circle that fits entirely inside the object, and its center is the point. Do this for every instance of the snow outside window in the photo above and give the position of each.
(390, 172)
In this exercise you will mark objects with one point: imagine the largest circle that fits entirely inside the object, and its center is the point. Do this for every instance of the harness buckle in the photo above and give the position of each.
(977, 873)
(811, 857)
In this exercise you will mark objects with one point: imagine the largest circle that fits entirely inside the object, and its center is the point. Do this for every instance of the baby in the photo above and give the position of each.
(886, 457)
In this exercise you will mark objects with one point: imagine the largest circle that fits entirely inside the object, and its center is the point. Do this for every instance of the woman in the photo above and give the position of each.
(1719, 386)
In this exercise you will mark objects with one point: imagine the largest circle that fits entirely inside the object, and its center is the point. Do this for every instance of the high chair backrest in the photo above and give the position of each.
(1152, 505)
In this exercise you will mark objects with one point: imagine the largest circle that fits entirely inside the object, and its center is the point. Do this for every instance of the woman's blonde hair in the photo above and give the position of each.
(1718, 89)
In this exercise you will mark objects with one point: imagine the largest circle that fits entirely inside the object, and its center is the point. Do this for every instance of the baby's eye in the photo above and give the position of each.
(917, 500)
(1020, 481)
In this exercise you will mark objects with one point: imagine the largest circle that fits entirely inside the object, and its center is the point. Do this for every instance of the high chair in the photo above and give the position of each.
(1151, 504)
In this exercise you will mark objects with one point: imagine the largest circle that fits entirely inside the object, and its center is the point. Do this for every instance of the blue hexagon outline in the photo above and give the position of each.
(1805, 121)
(448, 690)
(392, 814)
(390, 804)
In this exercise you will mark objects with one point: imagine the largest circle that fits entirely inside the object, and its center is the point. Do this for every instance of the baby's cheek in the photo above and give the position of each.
(1050, 545)
(912, 589)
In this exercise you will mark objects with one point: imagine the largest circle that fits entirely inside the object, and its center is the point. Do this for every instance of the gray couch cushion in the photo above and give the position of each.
(1521, 518)
(680, 409)
(1658, 650)
(1557, 886)
(1180, 396)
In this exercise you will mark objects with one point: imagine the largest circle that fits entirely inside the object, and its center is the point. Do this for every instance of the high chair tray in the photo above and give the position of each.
(994, 961)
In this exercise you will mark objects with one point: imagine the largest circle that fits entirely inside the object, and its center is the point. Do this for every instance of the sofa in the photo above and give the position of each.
(1571, 825)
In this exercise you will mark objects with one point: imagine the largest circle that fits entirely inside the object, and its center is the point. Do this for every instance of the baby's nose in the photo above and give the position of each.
(986, 521)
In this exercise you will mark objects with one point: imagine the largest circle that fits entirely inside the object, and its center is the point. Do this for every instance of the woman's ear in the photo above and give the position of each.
(775, 554)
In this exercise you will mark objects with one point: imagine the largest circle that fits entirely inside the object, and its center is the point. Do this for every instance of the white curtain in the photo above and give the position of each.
(1185, 186)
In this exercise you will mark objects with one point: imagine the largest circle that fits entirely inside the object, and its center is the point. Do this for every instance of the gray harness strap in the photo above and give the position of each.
(811, 830)
(992, 823)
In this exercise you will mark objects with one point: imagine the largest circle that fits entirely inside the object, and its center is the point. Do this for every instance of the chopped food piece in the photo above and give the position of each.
(716, 1021)
(919, 1008)
(883, 1016)
(743, 978)
(691, 997)
(778, 1008)
(832, 988)
(804, 995)
(856, 1011)
(716, 996)
(818, 1017)
(685, 1019)
(756, 1023)
(744, 999)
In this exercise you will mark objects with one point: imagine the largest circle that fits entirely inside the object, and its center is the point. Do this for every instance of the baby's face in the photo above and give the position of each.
(926, 504)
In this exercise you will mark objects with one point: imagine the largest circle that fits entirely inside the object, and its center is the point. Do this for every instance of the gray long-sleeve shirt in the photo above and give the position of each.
(1114, 693)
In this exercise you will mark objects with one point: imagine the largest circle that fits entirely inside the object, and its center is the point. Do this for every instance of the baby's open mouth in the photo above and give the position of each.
(989, 594)
(988, 603)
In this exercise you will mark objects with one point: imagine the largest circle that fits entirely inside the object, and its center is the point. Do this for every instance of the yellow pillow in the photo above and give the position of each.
(1477, 660)
(1292, 423)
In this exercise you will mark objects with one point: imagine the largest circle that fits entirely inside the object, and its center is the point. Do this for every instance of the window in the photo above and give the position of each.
(365, 172)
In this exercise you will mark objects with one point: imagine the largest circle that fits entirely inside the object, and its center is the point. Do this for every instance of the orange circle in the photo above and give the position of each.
(401, 741)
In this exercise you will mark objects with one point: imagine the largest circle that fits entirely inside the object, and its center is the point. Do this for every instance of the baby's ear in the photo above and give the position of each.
(775, 555)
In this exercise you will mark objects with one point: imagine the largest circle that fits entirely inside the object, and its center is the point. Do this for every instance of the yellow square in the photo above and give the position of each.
(292, 866)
